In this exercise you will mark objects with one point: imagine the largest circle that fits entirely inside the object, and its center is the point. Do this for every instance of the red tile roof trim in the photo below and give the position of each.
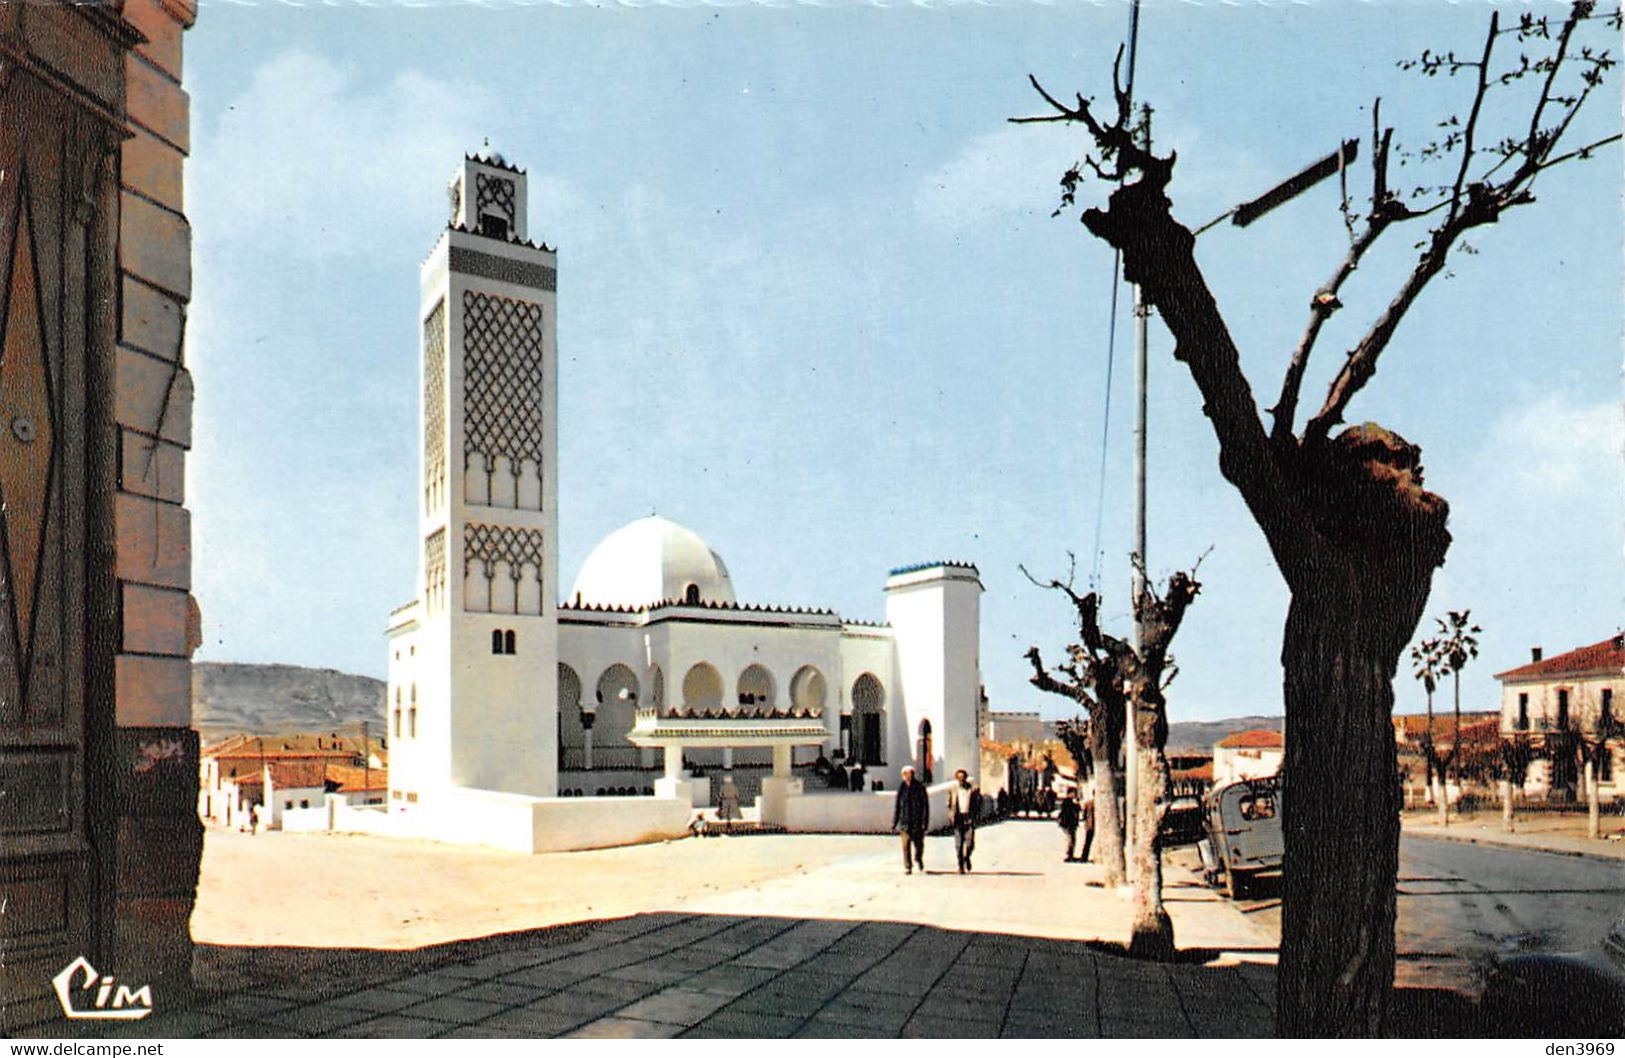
(1259, 738)
(1598, 658)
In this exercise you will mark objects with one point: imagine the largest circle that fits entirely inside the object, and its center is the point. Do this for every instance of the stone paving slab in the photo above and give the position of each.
(807, 978)
(1022, 948)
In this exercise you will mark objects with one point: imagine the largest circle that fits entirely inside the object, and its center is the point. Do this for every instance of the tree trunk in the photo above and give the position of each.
(1340, 803)
(1441, 797)
(1506, 806)
(1454, 759)
(1108, 821)
(1153, 930)
(1593, 801)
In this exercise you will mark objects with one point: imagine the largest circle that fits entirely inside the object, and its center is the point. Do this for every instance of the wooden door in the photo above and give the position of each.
(57, 229)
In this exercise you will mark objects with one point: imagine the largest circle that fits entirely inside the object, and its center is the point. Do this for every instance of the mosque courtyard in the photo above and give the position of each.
(760, 935)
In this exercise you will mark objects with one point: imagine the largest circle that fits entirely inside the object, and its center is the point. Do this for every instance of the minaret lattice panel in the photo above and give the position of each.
(504, 381)
(434, 405)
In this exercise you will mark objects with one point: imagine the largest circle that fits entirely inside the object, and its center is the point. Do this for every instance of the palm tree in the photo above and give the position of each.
(1427, 667)
(1456, 645)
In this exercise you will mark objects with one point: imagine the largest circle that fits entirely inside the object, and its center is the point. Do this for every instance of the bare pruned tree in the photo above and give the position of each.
(1595, 748)
(1348, 521)
(1090, 680)
(1105, 675)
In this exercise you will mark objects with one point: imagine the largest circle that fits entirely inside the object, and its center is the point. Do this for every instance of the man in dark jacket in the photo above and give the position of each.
(1070, 815)
(911, 817)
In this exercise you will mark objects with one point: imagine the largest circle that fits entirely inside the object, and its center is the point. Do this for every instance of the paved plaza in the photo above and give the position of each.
(758, 936)
(666, 975)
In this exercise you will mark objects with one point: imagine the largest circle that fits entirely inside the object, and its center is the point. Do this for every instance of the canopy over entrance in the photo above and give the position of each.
(675, 734)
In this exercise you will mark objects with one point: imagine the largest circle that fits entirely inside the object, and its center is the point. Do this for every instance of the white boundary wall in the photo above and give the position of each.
(517, 822)
(855, 813)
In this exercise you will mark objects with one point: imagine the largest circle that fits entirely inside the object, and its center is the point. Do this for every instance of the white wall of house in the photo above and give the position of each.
(1233, 763)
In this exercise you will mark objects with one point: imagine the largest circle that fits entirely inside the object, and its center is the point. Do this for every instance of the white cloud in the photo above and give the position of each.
(1559, 447)
(1013, 171)
(1017, 169)
(310, 161)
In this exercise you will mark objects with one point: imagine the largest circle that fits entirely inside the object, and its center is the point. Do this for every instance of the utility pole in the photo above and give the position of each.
(1142, 312)
(1335, 163)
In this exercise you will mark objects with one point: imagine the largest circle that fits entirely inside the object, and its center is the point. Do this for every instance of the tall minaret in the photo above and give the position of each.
(486, 642)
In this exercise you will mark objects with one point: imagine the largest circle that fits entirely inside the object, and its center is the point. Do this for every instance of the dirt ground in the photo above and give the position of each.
(1569, 826)
(275, 888)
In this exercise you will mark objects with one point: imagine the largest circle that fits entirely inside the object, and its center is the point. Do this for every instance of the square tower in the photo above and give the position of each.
(934, 611)
(483, 637)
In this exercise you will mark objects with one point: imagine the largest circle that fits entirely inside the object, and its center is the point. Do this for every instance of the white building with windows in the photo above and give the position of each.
(521, 721)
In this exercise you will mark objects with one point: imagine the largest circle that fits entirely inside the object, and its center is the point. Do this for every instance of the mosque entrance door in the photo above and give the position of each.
(868, 738)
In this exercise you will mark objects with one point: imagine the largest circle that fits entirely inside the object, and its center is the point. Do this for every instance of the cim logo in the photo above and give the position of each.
(123, 1003)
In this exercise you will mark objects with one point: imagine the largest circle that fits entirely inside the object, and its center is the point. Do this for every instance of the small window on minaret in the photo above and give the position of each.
(508, 642)
(496, 640)
(493, 227)
(691, 595)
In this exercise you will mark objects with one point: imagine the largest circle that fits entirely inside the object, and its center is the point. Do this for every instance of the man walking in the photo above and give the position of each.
(910, 817)
(963, 796)
(1070, 814)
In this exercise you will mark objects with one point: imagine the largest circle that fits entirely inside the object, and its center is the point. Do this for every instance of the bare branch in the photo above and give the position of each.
(1045, 682)
(1116, 141)
(1472, 117)
(1583, 153)
(1581, 10)
(1321, 307)
(1081, 602)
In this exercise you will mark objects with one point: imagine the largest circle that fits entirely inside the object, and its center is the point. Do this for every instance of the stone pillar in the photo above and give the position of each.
(160, 838)
(674, 762)
(727, 758)
(586, 746)
(781, 762)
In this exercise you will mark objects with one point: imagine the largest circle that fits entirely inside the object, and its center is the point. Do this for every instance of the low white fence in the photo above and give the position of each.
(835, 812)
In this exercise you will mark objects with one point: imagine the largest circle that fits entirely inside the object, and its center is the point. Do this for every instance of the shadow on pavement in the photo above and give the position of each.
(709, 976)
(667, 974)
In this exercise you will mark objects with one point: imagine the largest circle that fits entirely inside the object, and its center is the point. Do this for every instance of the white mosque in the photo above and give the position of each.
(524, 722)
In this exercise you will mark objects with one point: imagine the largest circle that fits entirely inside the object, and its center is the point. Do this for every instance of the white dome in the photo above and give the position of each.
(649, 561)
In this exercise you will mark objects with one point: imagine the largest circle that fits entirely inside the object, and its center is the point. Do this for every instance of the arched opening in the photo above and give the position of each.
(807, 691)
(496, 640)
(755, 688)
(508, 642)
(691, 595)
(617, 697)
(570, 726)
(702, 688)
(868, 716)
(925, 751)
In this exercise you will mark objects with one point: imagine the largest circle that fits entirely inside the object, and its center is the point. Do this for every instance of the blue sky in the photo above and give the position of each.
(813, 305)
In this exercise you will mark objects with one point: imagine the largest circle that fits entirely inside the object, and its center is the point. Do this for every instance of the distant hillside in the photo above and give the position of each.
(1192, 735)
(275, 699)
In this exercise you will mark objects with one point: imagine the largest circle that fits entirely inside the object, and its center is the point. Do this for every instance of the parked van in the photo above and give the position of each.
(1244, 839)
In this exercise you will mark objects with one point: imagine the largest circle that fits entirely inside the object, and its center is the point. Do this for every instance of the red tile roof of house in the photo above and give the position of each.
(1411, 726)
(356, 779)
(1607, 656)
(297, 774)
(1258, 738)
(1201, 773)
